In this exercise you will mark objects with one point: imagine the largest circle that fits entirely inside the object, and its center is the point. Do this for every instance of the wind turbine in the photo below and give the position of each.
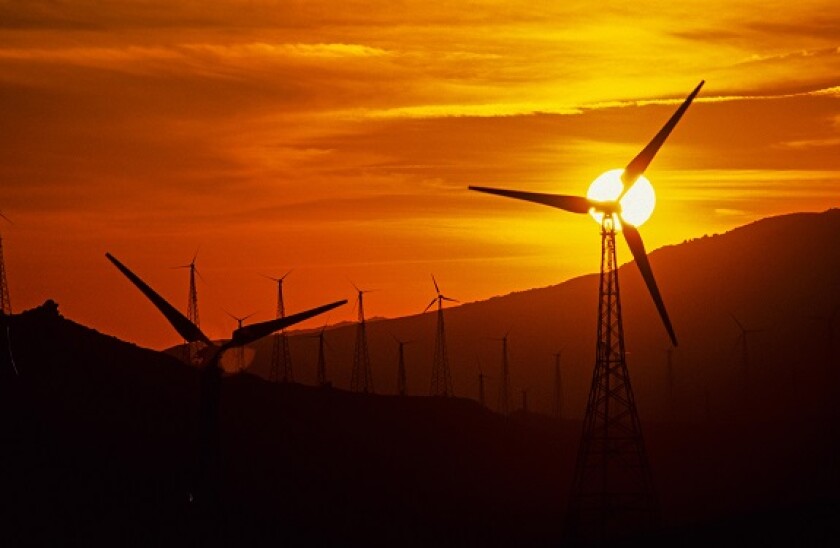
(441, 377)
(281, 357)
(743, 341)
(239, 365)
(504, 407)
(481, 377)
(402, 385)
(361, 378)
(206, 482)
(613, 493)
(322, 358)
(193, 348)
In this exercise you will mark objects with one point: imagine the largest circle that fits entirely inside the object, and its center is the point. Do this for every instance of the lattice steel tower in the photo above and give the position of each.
(612, 490)
(281, 358)
(504, 386)
(361, 379)
(322, 360)
(193, 348)
(441, 377)
(5, 301)
(613, 493)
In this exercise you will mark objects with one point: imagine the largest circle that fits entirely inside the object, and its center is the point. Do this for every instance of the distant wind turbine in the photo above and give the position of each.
(441, 376)
(281, 357)
(192, 348)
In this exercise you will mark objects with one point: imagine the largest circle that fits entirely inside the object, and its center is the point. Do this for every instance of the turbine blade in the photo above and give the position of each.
(637, 248)
(640, 163)
(188, 330)
(429, 305)
(250, 333)
(449, 299)
(573, 204)
(434, 281)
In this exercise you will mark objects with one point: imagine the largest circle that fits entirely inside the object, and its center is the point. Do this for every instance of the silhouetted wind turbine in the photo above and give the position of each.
(193, 348)
(239, 364)
(611, 443)
(207, 473)
(441, 376)
(361, 378)
(743, 341)
(504, 384)
(281, 357)
(321, 368)
(402, 384)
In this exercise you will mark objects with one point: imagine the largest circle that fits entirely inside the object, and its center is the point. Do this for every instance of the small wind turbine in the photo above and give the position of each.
(239, 364)
(281, 357)
(612, 449)
(322, 358)
(481, 376)
(743, 342)
(441, 376)
(402, 384)
(361, 378)
(504, 407)
(206, 491)
(192, 348)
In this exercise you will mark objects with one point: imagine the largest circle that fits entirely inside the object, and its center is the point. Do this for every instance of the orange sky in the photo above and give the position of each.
(338, 139)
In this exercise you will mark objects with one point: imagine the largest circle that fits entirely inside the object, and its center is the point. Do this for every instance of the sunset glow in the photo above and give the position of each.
(636, 205)
(339, 138)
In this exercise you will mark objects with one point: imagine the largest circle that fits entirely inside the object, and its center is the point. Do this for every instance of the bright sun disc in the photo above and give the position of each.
(636, 206)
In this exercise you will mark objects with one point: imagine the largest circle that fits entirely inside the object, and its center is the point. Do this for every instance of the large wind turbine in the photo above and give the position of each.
(613, 493)
(207, 474)
(441, 376)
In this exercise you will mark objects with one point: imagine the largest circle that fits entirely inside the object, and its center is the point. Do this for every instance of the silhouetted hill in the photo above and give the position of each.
(99, 448)
(776, 276)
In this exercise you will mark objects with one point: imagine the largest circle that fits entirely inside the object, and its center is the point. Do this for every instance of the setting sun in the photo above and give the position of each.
(636, 206)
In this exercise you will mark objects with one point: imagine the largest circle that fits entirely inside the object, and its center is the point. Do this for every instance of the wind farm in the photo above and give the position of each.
(302, 171)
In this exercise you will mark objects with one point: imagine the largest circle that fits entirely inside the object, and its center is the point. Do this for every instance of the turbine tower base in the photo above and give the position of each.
(613, 495)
